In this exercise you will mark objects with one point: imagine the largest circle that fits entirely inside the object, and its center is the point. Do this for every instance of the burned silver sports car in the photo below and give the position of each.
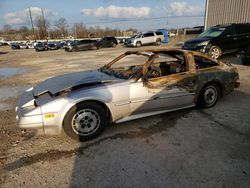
(157, 81)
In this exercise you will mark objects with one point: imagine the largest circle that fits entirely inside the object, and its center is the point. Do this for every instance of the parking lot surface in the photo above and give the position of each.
(187, 148)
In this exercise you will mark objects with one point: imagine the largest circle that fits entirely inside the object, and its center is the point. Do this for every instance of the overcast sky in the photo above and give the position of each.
(141, 14)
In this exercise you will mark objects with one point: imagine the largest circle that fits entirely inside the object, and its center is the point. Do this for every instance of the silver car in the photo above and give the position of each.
(157, 81)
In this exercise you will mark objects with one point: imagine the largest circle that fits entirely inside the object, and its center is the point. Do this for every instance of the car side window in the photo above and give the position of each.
(202, 62)
(230, 31)
(243, 29)
(166, 65)
(159, 33)
(148, 34)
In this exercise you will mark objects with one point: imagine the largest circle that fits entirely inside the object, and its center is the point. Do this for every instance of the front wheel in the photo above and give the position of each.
(215, 52)
(209, 96)
(138, 44)
(85, 121)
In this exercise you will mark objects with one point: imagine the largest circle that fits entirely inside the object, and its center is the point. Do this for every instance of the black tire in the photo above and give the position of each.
(246, 57)
(158, 42)
(93, 122)
(113, 45)
(138, 44)
(215, 52)
(246, 61)
(97, 47)
(208, 96)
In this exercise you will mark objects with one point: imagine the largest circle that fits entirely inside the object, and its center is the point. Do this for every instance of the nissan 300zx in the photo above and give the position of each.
(157, 81)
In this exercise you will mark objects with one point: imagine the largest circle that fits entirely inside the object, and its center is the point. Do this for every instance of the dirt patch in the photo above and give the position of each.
(166, 122)
(189, 148)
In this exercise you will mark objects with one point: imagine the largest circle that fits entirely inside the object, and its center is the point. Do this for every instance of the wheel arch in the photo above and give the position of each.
(100, 102)
(217, 82)
(138, 41)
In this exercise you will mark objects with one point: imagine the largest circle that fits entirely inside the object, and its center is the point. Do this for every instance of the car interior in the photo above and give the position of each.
(201, 62)
(165, 64)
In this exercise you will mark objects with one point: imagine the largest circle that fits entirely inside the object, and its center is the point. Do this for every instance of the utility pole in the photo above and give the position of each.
(44, 25)
(32, 24)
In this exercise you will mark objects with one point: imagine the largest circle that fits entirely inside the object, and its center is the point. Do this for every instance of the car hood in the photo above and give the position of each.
(69, 81)
(198, 40)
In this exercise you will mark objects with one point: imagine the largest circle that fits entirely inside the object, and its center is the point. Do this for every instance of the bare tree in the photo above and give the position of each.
(7, 28)
(42, 26)
(62, 26)
(80, 30)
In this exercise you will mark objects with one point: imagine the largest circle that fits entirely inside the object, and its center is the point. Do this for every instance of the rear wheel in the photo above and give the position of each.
(158, 42)
(85, 121)
(215, 52)
(97, 47)
(113, 45)
(246, 57)
(209, 96)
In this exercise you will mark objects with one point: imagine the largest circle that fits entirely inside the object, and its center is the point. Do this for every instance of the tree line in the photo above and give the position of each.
(60, 29)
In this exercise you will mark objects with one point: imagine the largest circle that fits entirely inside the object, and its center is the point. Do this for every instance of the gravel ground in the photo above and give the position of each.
(188, 148)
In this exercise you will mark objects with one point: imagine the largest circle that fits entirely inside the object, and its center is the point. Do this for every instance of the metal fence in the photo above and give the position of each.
(226, 12)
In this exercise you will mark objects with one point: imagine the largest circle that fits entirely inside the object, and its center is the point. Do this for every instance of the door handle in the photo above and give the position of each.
(235, 38)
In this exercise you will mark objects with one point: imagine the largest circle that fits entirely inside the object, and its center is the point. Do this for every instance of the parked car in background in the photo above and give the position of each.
(87, 44)
(127, 40)
(23, 46)
(145, 39)
(246, 57)
(63, 44)
(221, 39)
(14, 46)
(108, 42)
(121, 40)
(30, 45)
(52, 46)
(171, 34)
(155, 81)
(41, 46)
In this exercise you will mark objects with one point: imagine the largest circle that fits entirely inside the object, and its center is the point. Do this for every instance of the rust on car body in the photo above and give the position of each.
(193, 79)
(158, 80)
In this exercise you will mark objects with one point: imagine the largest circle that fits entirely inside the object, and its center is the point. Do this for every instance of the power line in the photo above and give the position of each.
(140, 19)
(131, 20)
(44, 25)
(32, 23)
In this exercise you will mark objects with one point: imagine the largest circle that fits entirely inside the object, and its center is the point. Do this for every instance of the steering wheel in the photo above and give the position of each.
(137, 74)
(152, 73)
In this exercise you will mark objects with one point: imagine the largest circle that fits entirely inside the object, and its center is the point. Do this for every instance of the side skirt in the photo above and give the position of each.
(137, 116)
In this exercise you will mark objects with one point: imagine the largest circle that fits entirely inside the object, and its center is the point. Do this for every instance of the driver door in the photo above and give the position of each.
(164, 93)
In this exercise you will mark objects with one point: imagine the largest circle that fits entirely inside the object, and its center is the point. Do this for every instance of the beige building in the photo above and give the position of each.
(226, 12)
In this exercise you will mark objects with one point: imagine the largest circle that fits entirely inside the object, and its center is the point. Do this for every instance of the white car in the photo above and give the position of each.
(145, 39)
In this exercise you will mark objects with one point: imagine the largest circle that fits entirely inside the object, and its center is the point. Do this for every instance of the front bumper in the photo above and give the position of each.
(203, 49)
(130, 44)
(28, 115)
